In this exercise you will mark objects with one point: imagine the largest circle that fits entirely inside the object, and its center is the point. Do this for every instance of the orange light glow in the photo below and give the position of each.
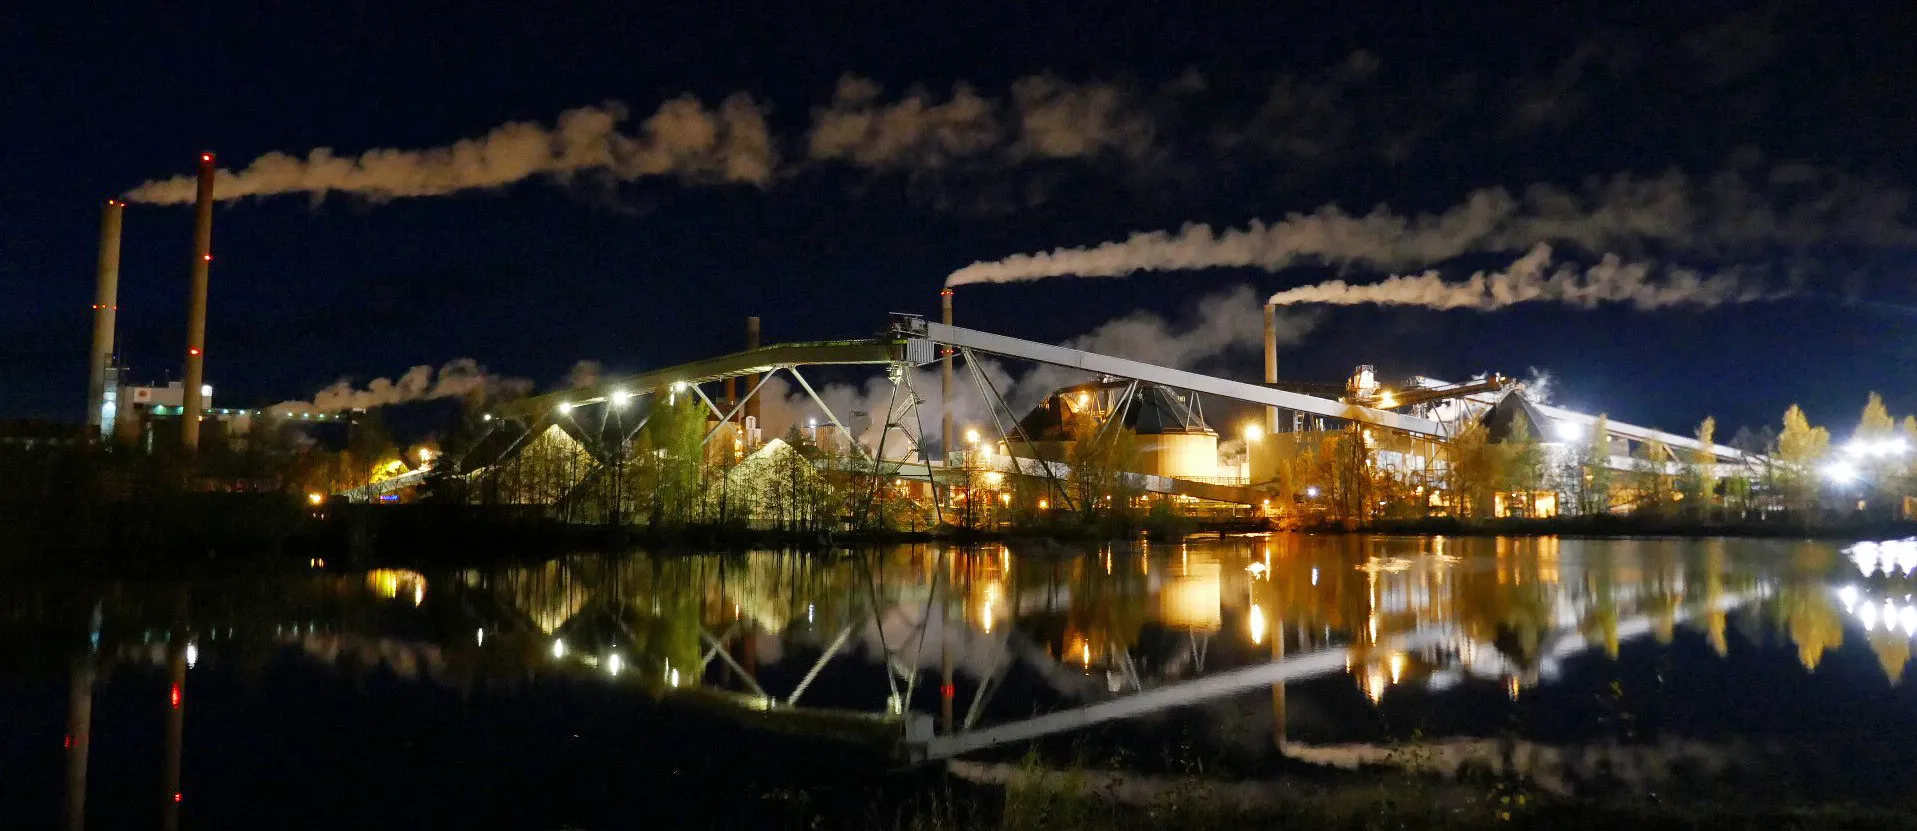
(192, 350)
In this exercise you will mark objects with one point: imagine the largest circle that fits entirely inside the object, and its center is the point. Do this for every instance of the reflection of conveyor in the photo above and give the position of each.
(1207, 688)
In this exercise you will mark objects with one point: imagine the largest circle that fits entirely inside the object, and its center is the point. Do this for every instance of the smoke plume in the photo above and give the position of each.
(1531, 279)
(1731, 212)
(683, 139)
(1046, 118)
(459, 377)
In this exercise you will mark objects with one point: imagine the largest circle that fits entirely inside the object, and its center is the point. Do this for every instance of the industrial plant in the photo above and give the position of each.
(691, 444)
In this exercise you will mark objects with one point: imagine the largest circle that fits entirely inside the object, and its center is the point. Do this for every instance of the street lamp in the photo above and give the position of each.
(1253, 432)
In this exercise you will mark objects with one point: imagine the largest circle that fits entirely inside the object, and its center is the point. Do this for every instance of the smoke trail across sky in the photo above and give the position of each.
(1790, 205)
(1532, 279)
(460, 376)
(682, 139)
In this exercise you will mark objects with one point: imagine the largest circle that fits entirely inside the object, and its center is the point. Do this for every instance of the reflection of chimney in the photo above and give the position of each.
(195, 374)
(1271, 362)
(106, 299)
(752, 401)
(945, 381)
(79, 735)
(170, 794)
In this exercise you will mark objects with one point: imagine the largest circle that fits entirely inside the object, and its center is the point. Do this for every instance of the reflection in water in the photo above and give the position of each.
(871, 632)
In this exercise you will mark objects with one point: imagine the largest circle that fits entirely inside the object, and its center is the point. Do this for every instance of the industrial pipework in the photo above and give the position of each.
(945, 381)
(195, 374)
(106, 300)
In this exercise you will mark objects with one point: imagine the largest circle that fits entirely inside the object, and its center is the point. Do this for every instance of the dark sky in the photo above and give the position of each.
(1245, 114)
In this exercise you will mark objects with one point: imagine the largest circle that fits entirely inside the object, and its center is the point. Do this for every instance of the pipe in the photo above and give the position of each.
(752, 381)
(195, 374)
(1271, 362)
(106, 299)
(945, 383)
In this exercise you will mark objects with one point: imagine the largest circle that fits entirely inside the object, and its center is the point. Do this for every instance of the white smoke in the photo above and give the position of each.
(682, 139)
(459, 377)
(1791, 205)
(1046, 118)
(1531, 279)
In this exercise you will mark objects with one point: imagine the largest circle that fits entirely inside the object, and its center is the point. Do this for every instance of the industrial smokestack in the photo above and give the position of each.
(945, 381)
(195, 374)
(752, 342)
(106, 305)
(1271, 362)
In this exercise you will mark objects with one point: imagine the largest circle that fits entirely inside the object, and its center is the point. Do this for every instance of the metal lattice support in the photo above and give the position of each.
(994, 402)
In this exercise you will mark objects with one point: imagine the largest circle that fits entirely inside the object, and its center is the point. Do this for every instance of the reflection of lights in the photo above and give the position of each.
(1257, 569)
(810, 610)
(192, 655)
(1257, 622)
(1848, 594)
(1314, 575)
(558, 648)
(1396, 662)
(1085, 654)
(419, 593)
(479, 637)
(173, 696)
(672, 677)
(614, 663)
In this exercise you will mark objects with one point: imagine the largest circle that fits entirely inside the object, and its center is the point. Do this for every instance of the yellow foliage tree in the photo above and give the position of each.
(1800, 447)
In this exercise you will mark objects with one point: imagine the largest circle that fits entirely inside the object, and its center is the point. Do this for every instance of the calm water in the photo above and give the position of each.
(595, 691)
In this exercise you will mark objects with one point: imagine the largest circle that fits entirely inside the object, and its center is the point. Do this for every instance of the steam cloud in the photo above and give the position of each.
(459, 377)
(682, 139)
(1046, 118)
(1531, 280)
(1797, 205)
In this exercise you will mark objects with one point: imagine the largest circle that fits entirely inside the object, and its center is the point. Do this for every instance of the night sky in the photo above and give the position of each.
(1228, 116)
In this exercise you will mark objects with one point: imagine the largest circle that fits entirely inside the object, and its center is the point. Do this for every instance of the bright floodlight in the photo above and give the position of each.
(1842, 473)
(558, 648)
(565, 406)
(1312, 492)
(1570, 431)
(1855, 447)
(1254, 432)
(486, 417)
(620, 398)
(971, 437)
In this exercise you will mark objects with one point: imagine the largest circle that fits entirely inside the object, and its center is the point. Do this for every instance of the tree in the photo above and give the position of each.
(1883, 471)
(1523, 463)
(1699, 482)
(1591, 469)
(1800, 447)
(1654, 487)
(1471, 471)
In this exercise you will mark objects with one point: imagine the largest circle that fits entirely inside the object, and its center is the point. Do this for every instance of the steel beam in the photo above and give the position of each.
(1097, 364)
(765, 359)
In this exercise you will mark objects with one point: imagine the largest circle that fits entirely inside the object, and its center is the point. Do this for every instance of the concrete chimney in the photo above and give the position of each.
(945, 381)
(106, 306)
(195, 375)
(1271, 362)
(751, 410)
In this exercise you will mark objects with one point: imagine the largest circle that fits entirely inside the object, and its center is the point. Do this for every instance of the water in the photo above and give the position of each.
(594, 690)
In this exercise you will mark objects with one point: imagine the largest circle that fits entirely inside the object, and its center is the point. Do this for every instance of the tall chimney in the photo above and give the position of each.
(945, 381)
(196, 308)
(1271, 362)
(106, 300)
(752, 342)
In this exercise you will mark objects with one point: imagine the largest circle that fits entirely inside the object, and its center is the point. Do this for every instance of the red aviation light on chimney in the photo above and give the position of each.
(192, 350)
(207, 257)
(206, 157)
(945, 292)
(173, 696)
